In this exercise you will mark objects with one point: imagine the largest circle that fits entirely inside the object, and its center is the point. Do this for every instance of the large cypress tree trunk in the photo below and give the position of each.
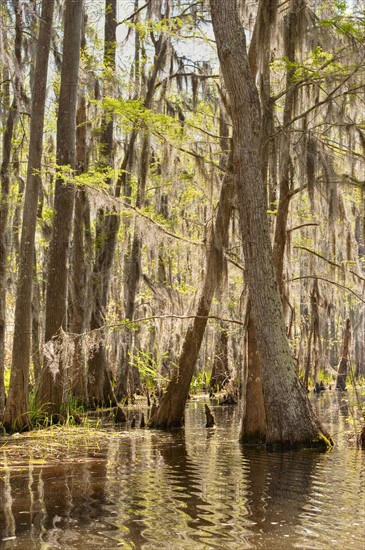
(253, 422)
(290, 418)
(51, 388)
(253, 425)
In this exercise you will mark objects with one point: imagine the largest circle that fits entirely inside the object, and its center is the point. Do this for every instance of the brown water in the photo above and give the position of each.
(193, 489)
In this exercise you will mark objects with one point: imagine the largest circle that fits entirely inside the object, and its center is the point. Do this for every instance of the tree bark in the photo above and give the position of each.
(99, 376)
(290, 419)
(79, 309)
(253, 425)
(5, 175)
(285, 187)
(36, 325)
(52, 384)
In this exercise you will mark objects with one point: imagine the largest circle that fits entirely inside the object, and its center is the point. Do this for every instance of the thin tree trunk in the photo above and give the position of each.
(5, 176)
(52, 384)
(80, 279)
(290, 418)
(344, 362)
(286, 191)
(99, 377)
(36, 354)
(124, 379)
(15, 241)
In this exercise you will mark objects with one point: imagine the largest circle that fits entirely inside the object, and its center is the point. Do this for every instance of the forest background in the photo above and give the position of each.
(116, 186)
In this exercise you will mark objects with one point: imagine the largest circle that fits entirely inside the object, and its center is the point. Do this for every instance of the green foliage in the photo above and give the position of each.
(97, 177)
(134, 115)
(149, 368)
(39, 416)
(344, 21)
(199, 382)
(6, 379)
(47, 214)
(170, 26)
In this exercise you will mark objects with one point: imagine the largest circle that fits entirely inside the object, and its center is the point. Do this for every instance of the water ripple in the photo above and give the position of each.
(194, 489)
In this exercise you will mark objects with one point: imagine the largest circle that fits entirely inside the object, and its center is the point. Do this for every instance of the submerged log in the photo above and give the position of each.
(210, 418)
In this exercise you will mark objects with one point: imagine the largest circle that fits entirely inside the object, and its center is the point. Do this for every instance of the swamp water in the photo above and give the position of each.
(192, 489)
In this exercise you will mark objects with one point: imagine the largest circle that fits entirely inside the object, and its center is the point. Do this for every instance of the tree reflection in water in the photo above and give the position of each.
(195, 488)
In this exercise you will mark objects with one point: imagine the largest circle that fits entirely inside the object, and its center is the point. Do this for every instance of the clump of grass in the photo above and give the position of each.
(40, 417)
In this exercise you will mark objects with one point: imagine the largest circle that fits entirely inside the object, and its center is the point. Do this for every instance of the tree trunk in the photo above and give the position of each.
(52, 384)
(285, 188)
(290, 418)
(81, 249)
(79, 299)
(253, 425)
(36, 327)
(5, 175)
(344, 362)
(99, 377)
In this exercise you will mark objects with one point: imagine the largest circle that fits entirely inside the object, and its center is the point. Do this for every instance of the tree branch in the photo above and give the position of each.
(300, 226)
(330, 282)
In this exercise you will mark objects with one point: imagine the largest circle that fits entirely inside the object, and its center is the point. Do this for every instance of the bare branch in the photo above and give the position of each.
(329, 282)
(318, 255)
(302, 225)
